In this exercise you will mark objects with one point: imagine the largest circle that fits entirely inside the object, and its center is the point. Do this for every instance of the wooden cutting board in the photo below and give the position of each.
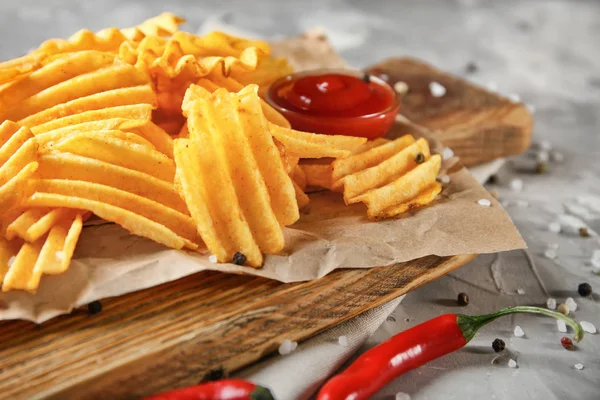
(175, 334)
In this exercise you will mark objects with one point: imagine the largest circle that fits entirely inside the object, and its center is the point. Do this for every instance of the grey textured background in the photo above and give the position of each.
(548, 52)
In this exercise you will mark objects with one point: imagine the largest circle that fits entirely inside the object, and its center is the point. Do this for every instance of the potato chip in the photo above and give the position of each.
(24, 155)
(177, 222)
(122, 153)
(134, 223)
(402, 190)
(122, 124)
(142, 94)
(21, 269)
(50, 141)
(12, 138)
(107, 40)
(8, 253)
(299, 177)
(313, 145)
(17, 188)
(301, 198)
(386, 171)
(164, 24)
(155, 135)
(60, 70)
(318, 175)
(266, 72)
(134, 112)
(104, 79)
(36, 222)
(19, 66)
(424, 198)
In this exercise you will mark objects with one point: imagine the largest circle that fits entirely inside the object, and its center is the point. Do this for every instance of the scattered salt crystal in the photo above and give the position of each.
(588, 327)
(542, 156)
(571, 304)
(343, 341)
(512, 363)
(557, 156)
(530, 108)
(553, 246)
(402, 396)
(551, 304)
(492, 86)
(436, 89)
(401, 87)
(571, 224)
(578, 366)
(596, 255)
(549, 253)
(60, 255)
(521, 203)
(516, 185)
(11, 260)
(545, 145)
(384, 77)
(554, 227)
(447, 153)
(484, 202)
(212, 258)
(520, 291)
(514, 98)
(518, 331)
(287, 347)
(445, 179)
(562, 325)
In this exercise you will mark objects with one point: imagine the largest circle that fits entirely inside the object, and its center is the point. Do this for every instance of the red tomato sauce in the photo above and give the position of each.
(336, 103)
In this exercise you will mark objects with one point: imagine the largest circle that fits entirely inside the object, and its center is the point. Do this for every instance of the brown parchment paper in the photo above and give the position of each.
(110, 262)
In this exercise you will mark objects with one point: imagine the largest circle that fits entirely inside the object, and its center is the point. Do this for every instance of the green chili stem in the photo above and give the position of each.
(469, 325)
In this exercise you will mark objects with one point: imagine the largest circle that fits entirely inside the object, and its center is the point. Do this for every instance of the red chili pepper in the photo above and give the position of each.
(412, 348)
(226, 389)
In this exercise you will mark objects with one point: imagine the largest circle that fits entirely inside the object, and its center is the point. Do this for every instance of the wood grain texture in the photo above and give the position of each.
(173, 335)
(478, 125)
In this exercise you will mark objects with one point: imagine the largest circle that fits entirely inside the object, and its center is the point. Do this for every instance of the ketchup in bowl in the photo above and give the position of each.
(335, 102)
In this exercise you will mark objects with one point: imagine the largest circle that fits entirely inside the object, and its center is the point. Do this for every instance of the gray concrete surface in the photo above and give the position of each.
(548, 52)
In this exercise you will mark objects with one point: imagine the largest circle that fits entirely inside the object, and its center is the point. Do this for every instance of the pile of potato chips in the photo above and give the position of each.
(166, 134)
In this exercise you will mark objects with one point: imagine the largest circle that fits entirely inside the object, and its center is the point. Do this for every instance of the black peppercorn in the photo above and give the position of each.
(498, 345)
(584, 289)
(420, 158)
(367, 78)
(239, 258)
(95, 307)
(471, 68)
(214, 375)
(584, 232)
(462, 299)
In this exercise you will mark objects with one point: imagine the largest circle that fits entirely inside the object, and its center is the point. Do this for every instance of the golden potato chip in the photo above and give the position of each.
(107, 40)
(313, 145)
(112, 124)
(155, 135)
(19, 66)
(71, 166)
(60, 70)
(12, 138)
(301, 198)
(36, 222)
(8, 253)
(134, 112)
(17, 188)
(21, 269)
(164, 24)
(386, 171)
(57, 251)
(402, 190)
(50, 141)
(318, 175)
(142, 94)
(177, 222)
(134, 223)
(23, 156)
(299, 177)
(266, 72)
(424, 198)
(7, 217)
(122, 153)
(218, 80)
(104, 79)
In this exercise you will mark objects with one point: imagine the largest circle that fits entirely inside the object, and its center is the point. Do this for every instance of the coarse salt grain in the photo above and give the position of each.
(492, 86)
(436, 89)
(551, 304)
(514, 98)
(447, 153)
(561, 325)
(521, 203)
(588, 327)
(557, 156)
(570, 302)
(549, 253)
(542, 156)
(545, 145)
(516, 185)
(60, 255)
(10, 261)
(287, 347)
(553, 246)
(530, 108)
(343, 341)
(578, 366)
(445, 179)
(520, 291)
(402, 396)
(212, 258)
(518, 331)
(401, 87)
(484, 202)
(554, 227)
(512, 363)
